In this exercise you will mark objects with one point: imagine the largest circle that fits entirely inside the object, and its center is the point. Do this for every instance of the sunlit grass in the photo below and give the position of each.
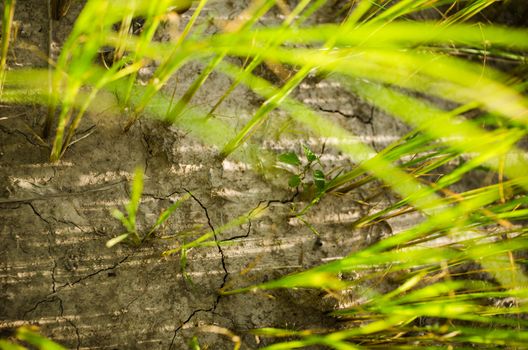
(7, 27)
(129, 218)
(379, 54)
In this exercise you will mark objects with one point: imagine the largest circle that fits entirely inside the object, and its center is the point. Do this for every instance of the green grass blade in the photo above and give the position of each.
(191, 91)
(459, 133)
(112, 242)
(5, 345)
(135, 198)
(31, 337)
(194, 344)
(166, 214)
(275, 39)
(258, 11)
(275, 99)
(169, 65)
(7, 24)
(404, 184)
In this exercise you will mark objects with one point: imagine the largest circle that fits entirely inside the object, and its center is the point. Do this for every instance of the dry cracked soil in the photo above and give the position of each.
(55, 218)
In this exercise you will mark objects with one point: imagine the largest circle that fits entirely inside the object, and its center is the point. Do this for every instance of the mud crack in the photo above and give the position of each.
(220, 250)
(50, 246)
(95, 273)
(38, 303)
(26, 136)
(51, 297)
(38, 214)
(161, 198)
(148, 147)
(61, 308)
(363, 119)
(224, 267)
(257, 207)
(212, 309)
(187, 321)
(248, 231)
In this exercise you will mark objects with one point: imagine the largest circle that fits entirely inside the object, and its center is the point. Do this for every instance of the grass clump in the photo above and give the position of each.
(129, 218)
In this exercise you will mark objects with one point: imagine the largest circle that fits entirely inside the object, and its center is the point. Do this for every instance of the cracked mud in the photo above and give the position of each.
(56, 272)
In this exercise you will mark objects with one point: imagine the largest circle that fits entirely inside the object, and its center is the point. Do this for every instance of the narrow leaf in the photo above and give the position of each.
(5, 345)
(112, 242)
(167, 213)
(137, 190)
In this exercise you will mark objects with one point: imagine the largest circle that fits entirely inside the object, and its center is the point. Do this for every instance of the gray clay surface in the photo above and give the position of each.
(55, 271)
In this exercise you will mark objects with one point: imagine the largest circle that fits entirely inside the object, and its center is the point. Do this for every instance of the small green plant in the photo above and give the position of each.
(129, 219)
(307, 172)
